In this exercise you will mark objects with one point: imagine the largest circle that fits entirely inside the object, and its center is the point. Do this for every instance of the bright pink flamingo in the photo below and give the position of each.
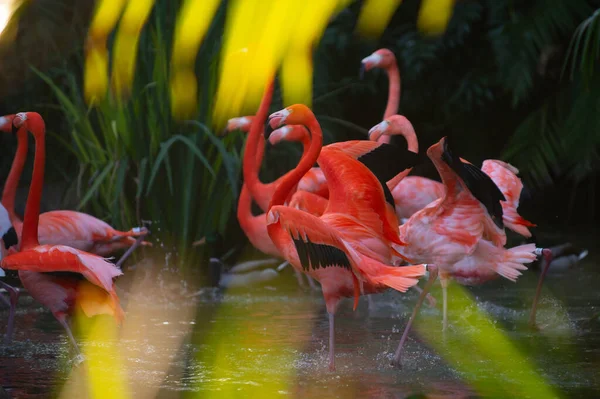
(8, 238)
(384, 58)
(330, 248)
(450, 231)
(84, 280)
(75, 229)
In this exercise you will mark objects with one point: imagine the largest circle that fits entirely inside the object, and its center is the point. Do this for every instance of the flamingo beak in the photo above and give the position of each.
(361, 73)
(268, 129)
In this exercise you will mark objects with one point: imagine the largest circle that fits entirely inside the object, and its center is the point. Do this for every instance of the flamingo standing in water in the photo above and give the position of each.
(60, 277)
(460, 231)
(332, 248)
(8, 238)
(75, 229)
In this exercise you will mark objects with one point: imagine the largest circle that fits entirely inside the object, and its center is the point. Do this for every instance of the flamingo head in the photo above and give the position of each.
(379, 130)
(32, 121)
(288, 133)
(242, 123)
(296, 114)
(6, 123)
(382, 58)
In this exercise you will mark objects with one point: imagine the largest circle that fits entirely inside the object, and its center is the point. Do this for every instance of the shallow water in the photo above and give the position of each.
(272, 341)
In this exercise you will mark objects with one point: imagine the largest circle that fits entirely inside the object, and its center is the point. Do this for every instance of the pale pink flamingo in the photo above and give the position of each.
(331, 247)
(84, 280)
(451, 231)
(413, 193)
(75, 229)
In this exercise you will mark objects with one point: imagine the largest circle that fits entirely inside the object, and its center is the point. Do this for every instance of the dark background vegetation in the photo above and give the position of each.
(510, 79)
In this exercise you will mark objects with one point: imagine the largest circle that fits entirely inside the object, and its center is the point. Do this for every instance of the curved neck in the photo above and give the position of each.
(244, 208)
(291, 179)
(12, 181)
(405, 129)
(451, 183)
(29, 237)
(253, 141)
(394, 90)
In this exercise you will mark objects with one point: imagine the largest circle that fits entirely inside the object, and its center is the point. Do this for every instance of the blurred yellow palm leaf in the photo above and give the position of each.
(96, 61)
(192, 24)
(126, 42)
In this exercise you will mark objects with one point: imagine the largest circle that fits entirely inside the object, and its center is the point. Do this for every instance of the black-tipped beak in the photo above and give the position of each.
(268, 129)
(14, 129)
(223, 131)
(361, 73)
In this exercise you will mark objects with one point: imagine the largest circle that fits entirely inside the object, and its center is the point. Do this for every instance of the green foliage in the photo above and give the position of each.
(137, 163)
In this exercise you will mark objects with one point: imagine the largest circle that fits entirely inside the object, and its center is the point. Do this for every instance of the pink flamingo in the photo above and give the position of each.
(450, 231)
(85, 280)
(75, 229)
(330, 248)
(413, 193)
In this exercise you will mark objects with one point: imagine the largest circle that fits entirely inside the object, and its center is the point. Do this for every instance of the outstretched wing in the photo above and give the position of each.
(354, 190)
(60, 258)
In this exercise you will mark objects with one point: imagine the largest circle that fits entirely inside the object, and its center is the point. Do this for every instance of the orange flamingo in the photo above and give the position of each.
(8, 238)
(329, 248)
(384, 58)
(451, 231)
(255, 227)
(60, 277)
(75, 229)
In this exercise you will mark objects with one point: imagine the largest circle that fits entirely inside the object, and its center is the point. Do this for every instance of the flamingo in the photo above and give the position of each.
(451, 232)
(413, 193)
(384, 58)
(255, 227)
(60, 277)
(7, 240)
(332, 248)
(75, 229)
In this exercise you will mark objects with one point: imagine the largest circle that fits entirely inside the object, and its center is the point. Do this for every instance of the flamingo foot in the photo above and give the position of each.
(546, 259)
(12, 303)
(433, 272)
(130, 250)
(331, 342)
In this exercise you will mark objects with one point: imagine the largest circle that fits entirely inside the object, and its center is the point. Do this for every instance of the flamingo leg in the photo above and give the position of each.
(433, 272)
(299, 278)
(12, 303)
(331, 342)
(130, 250)
(311, 283)
(62, 320)
(429, 297)
(371, 303)
(444, 283)
(546, 260)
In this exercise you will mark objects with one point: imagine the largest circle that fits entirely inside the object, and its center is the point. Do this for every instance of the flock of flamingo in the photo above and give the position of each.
(357, 223)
